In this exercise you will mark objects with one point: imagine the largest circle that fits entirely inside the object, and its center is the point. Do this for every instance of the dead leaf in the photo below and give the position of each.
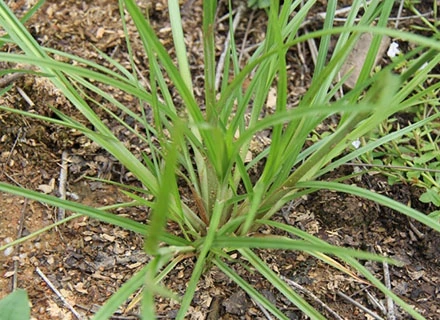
(47, 188)
(80, 288)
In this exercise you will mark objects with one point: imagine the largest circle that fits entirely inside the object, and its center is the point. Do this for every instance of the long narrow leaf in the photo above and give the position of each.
(378, 198)
(98, 214)
(258, 297)
(283, 287)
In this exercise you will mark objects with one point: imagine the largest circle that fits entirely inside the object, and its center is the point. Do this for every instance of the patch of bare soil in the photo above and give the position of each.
(87, 261)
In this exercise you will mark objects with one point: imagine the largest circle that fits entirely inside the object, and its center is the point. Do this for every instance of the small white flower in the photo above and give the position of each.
(356, 143)
(393, 50)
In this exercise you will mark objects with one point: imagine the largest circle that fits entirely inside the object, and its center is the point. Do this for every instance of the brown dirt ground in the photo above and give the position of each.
(87, 261)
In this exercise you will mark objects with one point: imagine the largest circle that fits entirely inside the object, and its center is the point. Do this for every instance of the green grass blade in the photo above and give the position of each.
(283, 243)
(254, 294)
(349, 260)
(104, 137)
(179, 43)
(98, 214)
(377, 198)
(204, 251)
(325, 40)
(149, 39)
(124, 292)
(374, 144)
(167, 193)
(283, 287)
(209, 9)
(39, 231)
(367, 274)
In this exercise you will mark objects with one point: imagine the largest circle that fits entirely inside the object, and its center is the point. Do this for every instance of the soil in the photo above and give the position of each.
(87, 261)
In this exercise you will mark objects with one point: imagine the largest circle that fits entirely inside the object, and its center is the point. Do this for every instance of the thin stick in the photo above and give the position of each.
(8, 79)
(13, 180)
(399, 14)
(265, 312)
(418, 233)
(306, 291)
(373, 300)
(11, 151)
(322, 15)
(313, 49)
(301, 57)
(17, 248)
(246, 34)
(221, 61)
(50, 284)
(62, 181)
(25, 96)
(371, 313)
(390, 304)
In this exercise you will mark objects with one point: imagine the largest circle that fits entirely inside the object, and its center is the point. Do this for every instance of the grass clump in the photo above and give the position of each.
(205, 152)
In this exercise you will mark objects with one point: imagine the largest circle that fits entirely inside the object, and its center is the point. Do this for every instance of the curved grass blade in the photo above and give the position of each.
(282, 286)
(350, 261)
(377, 198)
(98, 214)
(254, 294)
(283, 243)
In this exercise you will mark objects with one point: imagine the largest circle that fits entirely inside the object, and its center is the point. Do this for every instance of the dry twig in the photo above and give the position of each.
(315, 298)
(11, 151)
(25, 96)
(62, 181)
(417, 232)
(221, 61)
(265, 312)
(59, 295)
(399, 14)
(17, 248)
(390, 304)
(8, 79)
(376, 302)
(357, 304)
(245, 37)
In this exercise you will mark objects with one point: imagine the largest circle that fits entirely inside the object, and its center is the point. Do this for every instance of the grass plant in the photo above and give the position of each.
(204, 152)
